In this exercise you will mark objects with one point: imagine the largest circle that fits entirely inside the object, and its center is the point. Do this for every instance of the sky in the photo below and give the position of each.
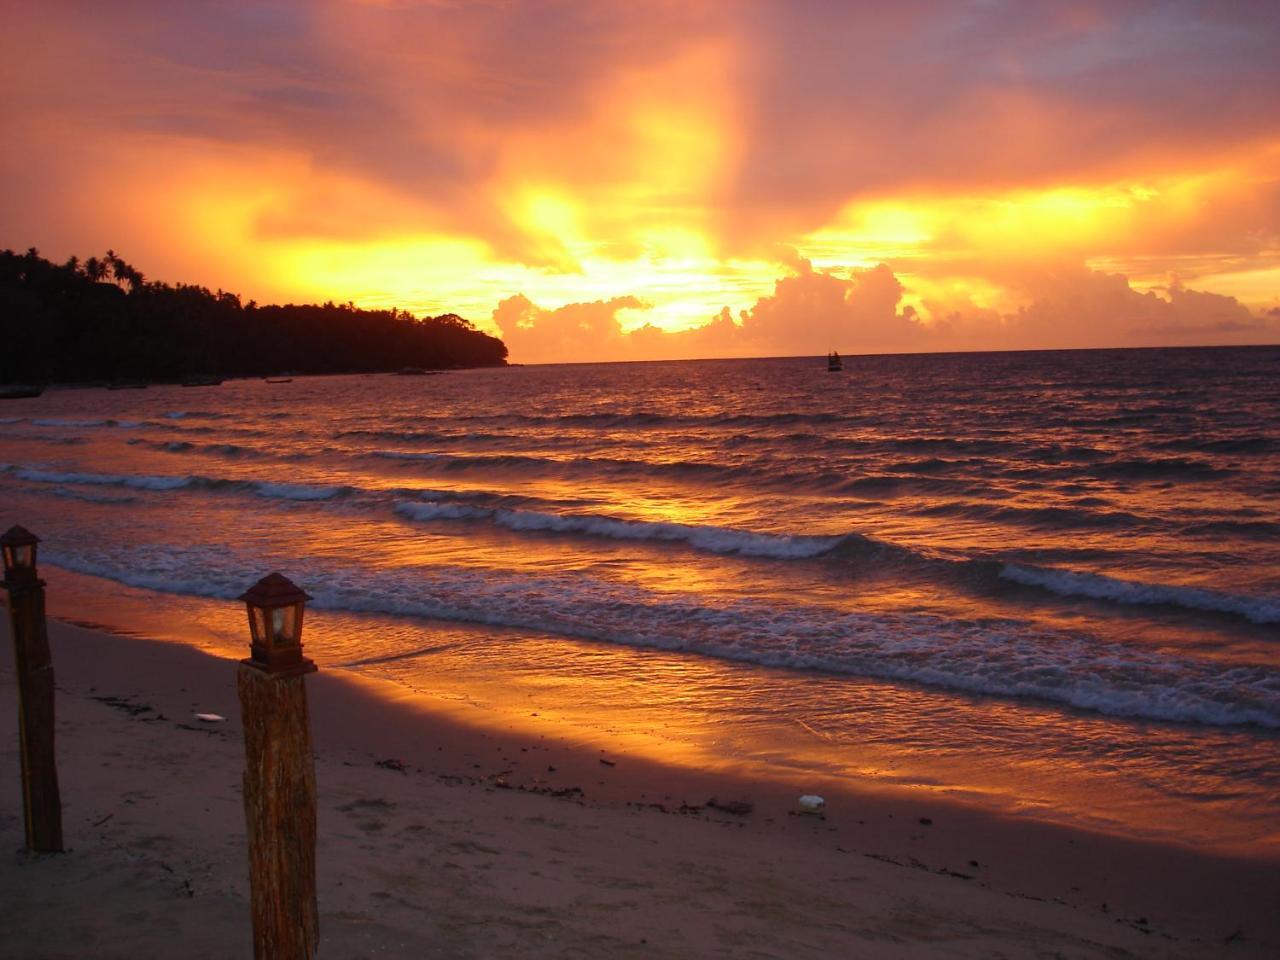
(650, 179)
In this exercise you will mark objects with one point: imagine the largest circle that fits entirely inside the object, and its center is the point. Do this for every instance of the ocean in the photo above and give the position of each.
(1047, 583)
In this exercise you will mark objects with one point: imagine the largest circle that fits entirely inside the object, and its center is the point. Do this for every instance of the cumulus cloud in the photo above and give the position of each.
(582, 331)
(811, 311)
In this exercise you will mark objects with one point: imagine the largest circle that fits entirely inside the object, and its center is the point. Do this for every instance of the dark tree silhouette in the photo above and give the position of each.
(67, 323)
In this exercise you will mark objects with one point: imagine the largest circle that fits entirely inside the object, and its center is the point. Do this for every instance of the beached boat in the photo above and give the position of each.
(834, 363)
(278, 379)
(20, 390)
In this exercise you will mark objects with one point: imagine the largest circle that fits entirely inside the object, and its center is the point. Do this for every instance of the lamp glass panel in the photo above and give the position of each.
(8, 557)
(25, 555)
(258, 623)
(283, 624)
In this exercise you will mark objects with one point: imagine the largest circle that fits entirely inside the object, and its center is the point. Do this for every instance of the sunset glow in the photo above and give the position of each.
(1008, 165)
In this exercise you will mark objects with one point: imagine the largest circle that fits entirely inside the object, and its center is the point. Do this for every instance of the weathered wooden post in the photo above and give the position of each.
(279, 775)
(33, 666)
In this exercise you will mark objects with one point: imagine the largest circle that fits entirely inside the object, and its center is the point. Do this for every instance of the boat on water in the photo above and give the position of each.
(19, 390)
(278, 379)
(834, 363)
(202, 381)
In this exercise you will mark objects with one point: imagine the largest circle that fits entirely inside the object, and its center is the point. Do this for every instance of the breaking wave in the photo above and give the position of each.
(709, 538)
(1004, 658)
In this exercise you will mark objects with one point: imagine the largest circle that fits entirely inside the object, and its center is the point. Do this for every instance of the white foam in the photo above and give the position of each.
(104, 479)
(1072, 583)
(442, 511)
(1001, 658)
(711, 539)
(295, 491)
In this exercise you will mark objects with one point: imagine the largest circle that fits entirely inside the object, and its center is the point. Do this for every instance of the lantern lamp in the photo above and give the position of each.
(275, 608)
(19, 547)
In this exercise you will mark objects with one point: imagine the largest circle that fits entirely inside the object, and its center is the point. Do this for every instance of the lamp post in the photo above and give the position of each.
(279, 775)
(33, 667)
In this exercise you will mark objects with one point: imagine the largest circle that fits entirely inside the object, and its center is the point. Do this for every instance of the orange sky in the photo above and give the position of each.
(653, 179)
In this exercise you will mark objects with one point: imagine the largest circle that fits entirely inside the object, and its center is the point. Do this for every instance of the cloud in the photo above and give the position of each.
(1082, 308)
(861, 311)
(446, 155)
(582, 331)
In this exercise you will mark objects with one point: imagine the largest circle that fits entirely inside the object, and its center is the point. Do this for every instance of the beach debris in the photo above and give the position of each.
(98, 823)
(210, 717)
(739, 808)
(392, 764)
(810, 803)
(926, 822)
(501, 784)
(126, 705)
(609, 763)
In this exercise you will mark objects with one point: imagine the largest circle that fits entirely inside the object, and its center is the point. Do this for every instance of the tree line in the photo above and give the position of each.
(102, 319)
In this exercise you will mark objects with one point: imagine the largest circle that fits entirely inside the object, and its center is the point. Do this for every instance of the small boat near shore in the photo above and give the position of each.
(278, 379)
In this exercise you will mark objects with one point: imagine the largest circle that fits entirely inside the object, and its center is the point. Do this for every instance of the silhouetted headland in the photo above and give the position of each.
(101, 319)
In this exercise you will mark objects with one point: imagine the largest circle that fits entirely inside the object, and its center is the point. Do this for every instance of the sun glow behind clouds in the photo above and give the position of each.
(446, 158)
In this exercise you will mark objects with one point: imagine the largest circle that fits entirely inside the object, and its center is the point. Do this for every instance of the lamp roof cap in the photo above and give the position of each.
(274, 590)
(17, 536)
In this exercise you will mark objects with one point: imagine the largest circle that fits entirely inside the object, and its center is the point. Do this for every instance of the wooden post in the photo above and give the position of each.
(280, 811)
(279, 777)
(33, 665)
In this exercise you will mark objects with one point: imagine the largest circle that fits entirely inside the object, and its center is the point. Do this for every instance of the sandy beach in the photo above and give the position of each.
(439, 837)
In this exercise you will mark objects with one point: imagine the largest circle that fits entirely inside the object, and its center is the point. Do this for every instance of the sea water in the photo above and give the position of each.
(1045, 581)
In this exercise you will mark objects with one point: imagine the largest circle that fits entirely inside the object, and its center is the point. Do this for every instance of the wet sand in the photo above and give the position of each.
(441, 836)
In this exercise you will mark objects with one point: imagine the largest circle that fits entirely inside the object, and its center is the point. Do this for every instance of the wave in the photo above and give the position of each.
(1246, 444)
(90, 497)
(1141, 468)
(1051, 517)
(57, 422)
(297, 491)
(263, 488)
(404, 455)
(999, 658)
(187, 446)
(709, 538)
(137, 482)
(1254, 529)
(1071, 583)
